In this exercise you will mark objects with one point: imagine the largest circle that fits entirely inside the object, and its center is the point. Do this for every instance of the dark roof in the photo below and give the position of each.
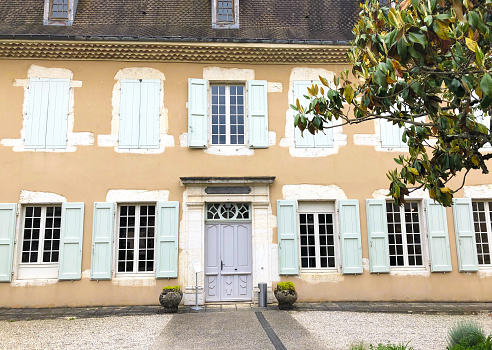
(319, 21)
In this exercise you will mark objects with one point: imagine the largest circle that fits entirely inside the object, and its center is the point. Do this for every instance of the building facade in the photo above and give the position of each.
(139, 138)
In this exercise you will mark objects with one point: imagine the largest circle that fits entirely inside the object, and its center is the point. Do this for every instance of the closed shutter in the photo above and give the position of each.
(150, 94)
(288, 250)
(258, 113)
(438, 237)
(102, 241)
(57, 119)
(350, 236)
(129, 129)
(8, 215)
(391, 134)
(167, 240)
(306, 140)
(72, 233)
(377, 230)
(465, 234)
(197, 113)
(37, 113)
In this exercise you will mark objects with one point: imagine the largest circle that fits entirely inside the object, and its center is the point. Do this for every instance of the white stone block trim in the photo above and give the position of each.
(31, 197)
(479, 191)
(383, 193)
(339, 138)
(73, 138)
(312, 192)
(125, 196)
(112, 139)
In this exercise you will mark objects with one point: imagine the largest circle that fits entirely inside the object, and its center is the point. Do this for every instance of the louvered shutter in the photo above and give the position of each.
(167, 240)
(465, 234)
(71, 237)
(129, 129)
(288, 250)
(57, 118)
(258, 113)
(150, 94)
(377, 230)
(438, 237)
(8, 215)
(391, 134)
(102, 241)
(197, 113)
(351, 243)
(37, 113)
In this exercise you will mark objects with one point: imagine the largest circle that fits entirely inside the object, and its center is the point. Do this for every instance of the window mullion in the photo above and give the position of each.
(404, 236)
(228, 114)
(316, 241)
(136, 237)
(42, 232)
(489, 236)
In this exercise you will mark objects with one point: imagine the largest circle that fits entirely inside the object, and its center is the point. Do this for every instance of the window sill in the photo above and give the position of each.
(484, 271)
(230, 150)
(135, 280)
(37, 271)
(422, 272)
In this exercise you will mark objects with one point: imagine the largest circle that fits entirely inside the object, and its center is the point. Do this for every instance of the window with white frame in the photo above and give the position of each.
(317, 235)
(405, 235)
(482, 215)
(136, 238)
(225, 14)
(225, 11)
(41, 234)
(228, 115)
(59, 9)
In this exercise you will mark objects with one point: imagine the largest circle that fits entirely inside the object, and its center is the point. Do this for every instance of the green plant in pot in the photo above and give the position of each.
(170, 298)
(286, 295)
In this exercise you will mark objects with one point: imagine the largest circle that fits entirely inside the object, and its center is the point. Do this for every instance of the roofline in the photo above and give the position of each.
(197, 52)
(57, 37)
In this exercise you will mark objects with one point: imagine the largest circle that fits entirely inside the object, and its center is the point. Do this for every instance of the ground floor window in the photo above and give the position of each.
(317, 235)
(41, 234)
(136, 238)
(482, 216)
(404, 234)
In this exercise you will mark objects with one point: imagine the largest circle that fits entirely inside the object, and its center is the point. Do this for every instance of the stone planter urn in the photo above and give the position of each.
(286, 295)
(170, 298)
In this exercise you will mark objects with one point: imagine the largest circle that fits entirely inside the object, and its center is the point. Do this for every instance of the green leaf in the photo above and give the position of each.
(473, 19)
(486, 85)
(417, 38)
(402, 47)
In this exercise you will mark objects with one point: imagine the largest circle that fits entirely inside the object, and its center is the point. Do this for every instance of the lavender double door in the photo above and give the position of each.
(228, 262)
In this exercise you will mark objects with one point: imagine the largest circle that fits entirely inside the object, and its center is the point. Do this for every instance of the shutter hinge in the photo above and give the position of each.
(429, 263)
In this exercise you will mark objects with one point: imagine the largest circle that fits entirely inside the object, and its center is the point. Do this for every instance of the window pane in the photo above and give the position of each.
(481, 231)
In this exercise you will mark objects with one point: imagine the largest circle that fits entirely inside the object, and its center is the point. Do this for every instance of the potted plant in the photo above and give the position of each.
(170, 298)
(286, 295)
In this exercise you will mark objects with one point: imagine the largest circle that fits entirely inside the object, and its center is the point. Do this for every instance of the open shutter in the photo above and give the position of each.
(391, 134)
(350, 236)
(150, 94)
(258, 113)
(8, 215)
(72, 233)
(288, 250)
(377, 230)
(129, 128)
(167, 240)
(437, 227)
(102, 241)
(37, 113)
(57, 119)
(197, 113)
(465, 234)
(306, 140)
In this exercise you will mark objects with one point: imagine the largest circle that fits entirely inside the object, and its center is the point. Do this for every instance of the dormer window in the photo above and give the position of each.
(59, 12)
(59, 9)
(225, 14)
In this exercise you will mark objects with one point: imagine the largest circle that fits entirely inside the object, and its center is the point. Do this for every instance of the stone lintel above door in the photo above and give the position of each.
(267, 180)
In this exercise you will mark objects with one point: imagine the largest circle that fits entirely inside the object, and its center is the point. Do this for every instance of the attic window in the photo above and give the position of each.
(225, 14)
(59, 9)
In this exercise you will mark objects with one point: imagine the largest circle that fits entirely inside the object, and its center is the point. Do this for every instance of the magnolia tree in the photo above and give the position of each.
(424, 65)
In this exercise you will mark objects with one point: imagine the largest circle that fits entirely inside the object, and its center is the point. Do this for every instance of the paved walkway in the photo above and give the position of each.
(448, 308)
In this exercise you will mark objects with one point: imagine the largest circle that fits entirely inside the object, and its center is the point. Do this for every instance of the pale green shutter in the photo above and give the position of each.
(197, 113)
(437, 228)
(57, 119)
(258, 113)
(72, 234)
(306, 140)
(167, 240)
(350, 236)
(150, 94)
(465, 234)
(377, 230)
(37, 113)
(8, 215)
(102, 241)
(288, 250)
(391, 134)
(129, 128)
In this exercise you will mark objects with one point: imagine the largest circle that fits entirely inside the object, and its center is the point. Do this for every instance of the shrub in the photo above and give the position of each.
(358, 346)
(389, 346)
(173, 288)
(486, 344)
(466, 334)
(289, 286)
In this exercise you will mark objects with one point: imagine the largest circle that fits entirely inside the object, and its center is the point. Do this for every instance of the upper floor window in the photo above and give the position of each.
(482, 220)
(225, 14)
(59, 9)
(228, 122)
(47, 113)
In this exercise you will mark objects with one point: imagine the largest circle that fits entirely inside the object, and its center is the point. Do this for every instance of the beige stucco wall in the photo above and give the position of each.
(87, 175)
